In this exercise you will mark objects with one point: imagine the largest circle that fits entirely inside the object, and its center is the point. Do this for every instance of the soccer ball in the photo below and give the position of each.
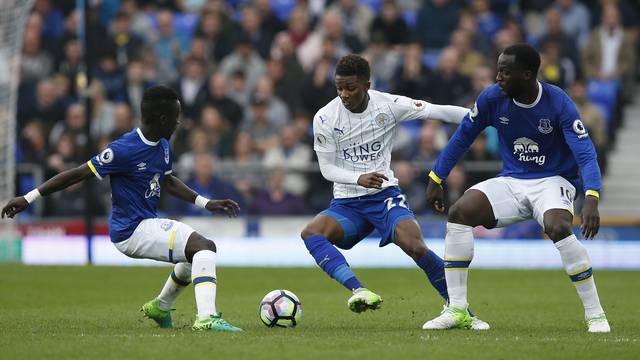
(280, 308)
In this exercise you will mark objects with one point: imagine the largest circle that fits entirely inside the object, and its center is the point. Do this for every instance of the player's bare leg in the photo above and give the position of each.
(408, 237)
(471, 210)
(201, 253)
(558, 226)
(320, 236)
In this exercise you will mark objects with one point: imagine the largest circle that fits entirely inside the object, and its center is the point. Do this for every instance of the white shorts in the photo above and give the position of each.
(514, 200)
(157, 239)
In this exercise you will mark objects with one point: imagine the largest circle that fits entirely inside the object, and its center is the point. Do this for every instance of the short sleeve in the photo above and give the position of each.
(168, 157)
(109, 161)
(406, 108)
(323, 140)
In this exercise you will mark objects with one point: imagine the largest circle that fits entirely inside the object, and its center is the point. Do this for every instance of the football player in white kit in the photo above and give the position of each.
(353, 138)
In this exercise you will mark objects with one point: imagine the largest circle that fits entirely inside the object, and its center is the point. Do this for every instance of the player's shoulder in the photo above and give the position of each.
(126, 142)
(327, 112)
(554, 94)
(492, 94)
(383, 97)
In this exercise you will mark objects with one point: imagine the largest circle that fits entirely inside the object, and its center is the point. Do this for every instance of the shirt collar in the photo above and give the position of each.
(528, 106)
(144, 139)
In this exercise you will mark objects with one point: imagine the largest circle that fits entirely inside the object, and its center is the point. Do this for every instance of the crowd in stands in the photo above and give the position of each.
(251, 75)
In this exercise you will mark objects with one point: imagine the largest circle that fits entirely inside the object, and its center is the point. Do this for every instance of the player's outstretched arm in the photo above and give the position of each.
(59, 182)
(180, 190)
(448, 113)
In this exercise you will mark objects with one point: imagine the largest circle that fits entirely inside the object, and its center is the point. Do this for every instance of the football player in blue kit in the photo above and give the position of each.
(545, 150)
(140, 165)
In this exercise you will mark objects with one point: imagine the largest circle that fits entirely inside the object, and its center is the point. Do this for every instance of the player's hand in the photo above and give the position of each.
(435, 195)
(14, 206)
(372, 180)
(230, 207)
(590, 217)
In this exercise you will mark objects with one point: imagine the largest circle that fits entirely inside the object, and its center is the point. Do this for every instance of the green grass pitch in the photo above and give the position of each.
(92, 313)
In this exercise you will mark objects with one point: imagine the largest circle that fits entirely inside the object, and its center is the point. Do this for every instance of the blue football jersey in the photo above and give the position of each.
(542, 139)
(137, 168)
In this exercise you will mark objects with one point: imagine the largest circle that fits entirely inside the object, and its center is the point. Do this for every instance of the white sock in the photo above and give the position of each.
(203, 277)
(458, 252)
(180, 278)
(578, 266)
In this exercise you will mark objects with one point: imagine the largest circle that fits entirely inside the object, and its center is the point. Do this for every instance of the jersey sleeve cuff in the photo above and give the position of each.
(168, 172)
(593, 193)
(93, 169)
(435, 177)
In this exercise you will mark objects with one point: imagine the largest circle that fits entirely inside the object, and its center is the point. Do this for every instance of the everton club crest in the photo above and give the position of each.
(545, 126)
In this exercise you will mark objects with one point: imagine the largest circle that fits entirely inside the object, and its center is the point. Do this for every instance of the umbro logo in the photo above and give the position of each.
(504, 120)
(142, 166)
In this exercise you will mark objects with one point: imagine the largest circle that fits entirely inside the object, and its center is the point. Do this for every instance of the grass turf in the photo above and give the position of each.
(92, 312)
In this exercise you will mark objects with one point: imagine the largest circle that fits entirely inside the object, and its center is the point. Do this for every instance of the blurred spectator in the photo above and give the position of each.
(245, 161)
(553, 69)
(122, 121)
(412, 78)
(448, 86)
(218, 131)
(488, 22)
(110, 76)
(294, 158)
(478, 150)
(610, 53)
(469, 59)
(198, 144)
(35, 63)
(575, 20)
(285, 70)
(258, 125)
(246, 60)
(414, 189)
(135, 84)
(259, 36)
(356, 18)
(217, 40)
(140, 23)
(383, 61)
(389, 25)
(298, 26)
(65, 154)
(102, 116)
(318, 88)
(426, 148)
(270, 24)
(72, 127)
(46, 107)
(330, 30)
(126, 43)
(167, 48)
(469, 23)
(207, 183)
(275, 200)
(52, 20)
(70, 63)
(34, 143)
(191, 87)
(555, 34)
(277, 111)
(436, 20)
(217, 96)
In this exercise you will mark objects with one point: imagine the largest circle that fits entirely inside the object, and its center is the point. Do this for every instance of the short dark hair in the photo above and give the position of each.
(156, 101)
(526, 56)
(353, 64)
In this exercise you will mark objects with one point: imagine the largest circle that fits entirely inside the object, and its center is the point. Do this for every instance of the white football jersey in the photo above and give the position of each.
(362, 142)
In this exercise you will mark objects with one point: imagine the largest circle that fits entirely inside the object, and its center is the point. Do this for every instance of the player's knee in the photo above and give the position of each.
(459, 213)
(557, 230)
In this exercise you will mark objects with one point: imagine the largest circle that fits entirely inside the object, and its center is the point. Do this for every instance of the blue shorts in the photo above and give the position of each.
(360, 215)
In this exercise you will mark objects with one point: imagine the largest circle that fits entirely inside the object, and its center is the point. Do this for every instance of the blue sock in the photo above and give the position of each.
(331, 261)
(433, 266)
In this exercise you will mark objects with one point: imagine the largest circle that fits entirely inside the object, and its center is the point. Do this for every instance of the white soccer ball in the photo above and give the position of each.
(280, 308)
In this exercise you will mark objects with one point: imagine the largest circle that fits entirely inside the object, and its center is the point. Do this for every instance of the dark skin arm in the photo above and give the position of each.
(590, 217)
(372, 180)
(177, 188)
(435, 195)
(59, 182)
